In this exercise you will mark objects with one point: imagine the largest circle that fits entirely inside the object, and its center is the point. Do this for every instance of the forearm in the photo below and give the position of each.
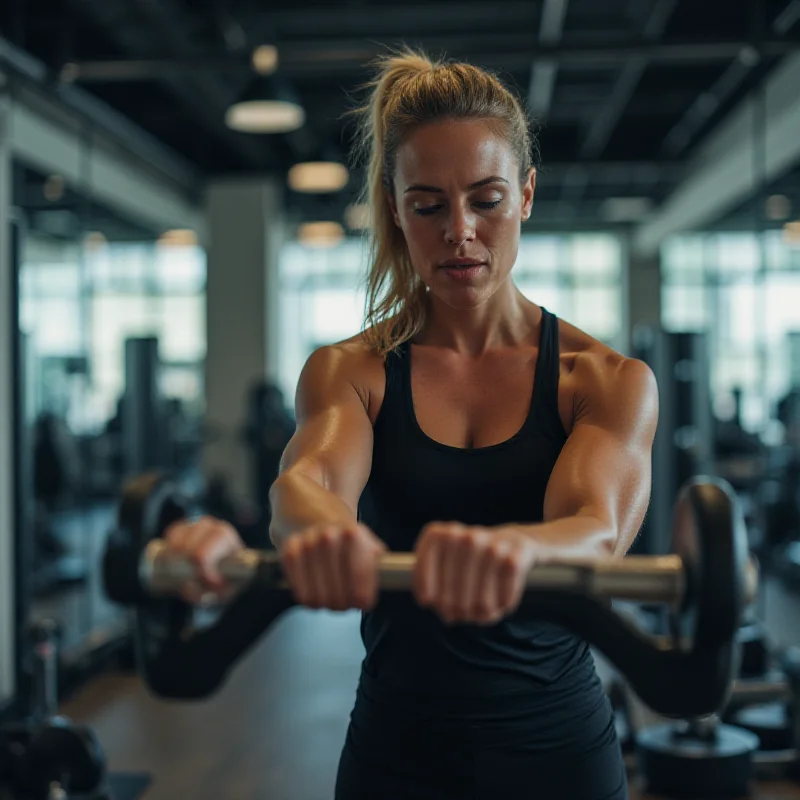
(578, 537)
(297, 501)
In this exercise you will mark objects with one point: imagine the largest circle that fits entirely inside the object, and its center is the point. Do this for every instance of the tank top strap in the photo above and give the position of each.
(544, 407)
(397, 371)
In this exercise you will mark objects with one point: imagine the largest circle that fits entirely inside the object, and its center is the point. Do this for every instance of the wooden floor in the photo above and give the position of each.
(276, 730)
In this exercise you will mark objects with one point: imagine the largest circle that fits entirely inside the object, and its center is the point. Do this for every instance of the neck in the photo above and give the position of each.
(505, 320)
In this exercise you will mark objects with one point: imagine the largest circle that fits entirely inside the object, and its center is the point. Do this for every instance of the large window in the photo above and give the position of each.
(322, 291)
(743, 290)
(78, 305)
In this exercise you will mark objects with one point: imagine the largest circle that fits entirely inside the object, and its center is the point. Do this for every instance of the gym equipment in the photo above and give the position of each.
(708, 582)
(699, 758)
(47, 757)
(757, 737)
(769, 707)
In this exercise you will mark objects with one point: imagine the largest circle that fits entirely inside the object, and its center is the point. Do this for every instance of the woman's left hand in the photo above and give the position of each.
(471, 574)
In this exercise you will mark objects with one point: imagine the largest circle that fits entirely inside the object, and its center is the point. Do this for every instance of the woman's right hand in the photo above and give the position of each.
(205, 542)
(333, 566)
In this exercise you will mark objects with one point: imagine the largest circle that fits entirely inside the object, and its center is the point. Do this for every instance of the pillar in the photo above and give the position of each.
(245, 225)
(642, 292)
(8, 316)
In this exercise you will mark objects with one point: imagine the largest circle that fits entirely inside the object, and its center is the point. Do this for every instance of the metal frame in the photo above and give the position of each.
(89, 109)
(8, 650)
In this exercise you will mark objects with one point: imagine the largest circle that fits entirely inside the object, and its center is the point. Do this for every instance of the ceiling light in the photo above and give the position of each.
(316, 177)
(791, 233)
(265, 59)
(54, 188)
(357, 216)
(95, 240)
(320, 234)
(778, 207)
(266, 107)
(179, 237)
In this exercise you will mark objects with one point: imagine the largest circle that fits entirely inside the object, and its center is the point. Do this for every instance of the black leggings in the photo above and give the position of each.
(436, 769)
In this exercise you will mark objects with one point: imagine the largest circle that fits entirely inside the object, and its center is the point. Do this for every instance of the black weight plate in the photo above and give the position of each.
(151, 503)
(770, 722)
(710, 536)
(67, 753)
(675, 765)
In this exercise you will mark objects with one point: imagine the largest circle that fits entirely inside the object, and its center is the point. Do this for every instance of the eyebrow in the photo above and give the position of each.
(418, 187)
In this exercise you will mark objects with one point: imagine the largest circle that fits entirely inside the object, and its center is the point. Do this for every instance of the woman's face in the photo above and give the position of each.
(459, 202)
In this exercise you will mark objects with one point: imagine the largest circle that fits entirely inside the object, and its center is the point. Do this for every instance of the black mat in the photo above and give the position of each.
(127, 785)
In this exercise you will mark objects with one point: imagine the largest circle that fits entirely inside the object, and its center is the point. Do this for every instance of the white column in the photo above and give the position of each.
(7, 486)
(642, 291)
(245, 228)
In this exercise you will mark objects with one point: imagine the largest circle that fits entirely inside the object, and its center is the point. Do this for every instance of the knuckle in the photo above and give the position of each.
(509, 563)
(461, 610)
(484, 609)
(349, 535)
(326, 539)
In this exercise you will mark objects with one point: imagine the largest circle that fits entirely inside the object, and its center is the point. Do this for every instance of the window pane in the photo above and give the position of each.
(595, 256)
(597, 311)
(183, 328)
(736, 253)
(683, 308)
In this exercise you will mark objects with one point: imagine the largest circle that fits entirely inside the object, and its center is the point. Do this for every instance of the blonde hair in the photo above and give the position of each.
(410, 90)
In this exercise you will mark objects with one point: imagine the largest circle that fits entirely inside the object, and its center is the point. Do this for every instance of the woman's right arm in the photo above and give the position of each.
(327, 462)
(329, 558)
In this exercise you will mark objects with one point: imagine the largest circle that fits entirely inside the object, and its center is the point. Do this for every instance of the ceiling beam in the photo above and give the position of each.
(787, 18)
(98, 116)
(723, 174)
(348, 57)
(708, 102)
(543, 73)
(200, 92)
(604, 124)
(397, 19)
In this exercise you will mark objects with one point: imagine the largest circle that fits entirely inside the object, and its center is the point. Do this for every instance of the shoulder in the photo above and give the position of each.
(350, 363)
(606, 382)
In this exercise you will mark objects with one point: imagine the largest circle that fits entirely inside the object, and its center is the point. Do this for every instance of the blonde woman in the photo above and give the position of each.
(470, 425)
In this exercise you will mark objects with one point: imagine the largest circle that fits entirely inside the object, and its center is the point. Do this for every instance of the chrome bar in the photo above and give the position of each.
(658, 579)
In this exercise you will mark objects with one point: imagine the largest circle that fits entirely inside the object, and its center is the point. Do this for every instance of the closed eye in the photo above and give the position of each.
(428, 210)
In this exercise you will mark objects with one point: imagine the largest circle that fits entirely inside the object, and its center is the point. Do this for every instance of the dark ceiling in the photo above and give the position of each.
(630, 89)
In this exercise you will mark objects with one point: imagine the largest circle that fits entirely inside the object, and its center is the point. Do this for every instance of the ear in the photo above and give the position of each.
(393, 207)
(528, 191)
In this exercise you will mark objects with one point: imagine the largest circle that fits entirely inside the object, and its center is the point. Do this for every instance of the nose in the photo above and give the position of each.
(460, 227)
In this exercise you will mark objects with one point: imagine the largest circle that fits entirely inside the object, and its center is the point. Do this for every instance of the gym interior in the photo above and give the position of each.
(170, 256)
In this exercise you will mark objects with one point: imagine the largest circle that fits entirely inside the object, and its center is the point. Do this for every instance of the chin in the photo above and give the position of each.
(466, 298)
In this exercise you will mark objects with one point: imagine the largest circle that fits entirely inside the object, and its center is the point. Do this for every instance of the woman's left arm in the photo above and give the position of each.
(599, 490)
(594, 504)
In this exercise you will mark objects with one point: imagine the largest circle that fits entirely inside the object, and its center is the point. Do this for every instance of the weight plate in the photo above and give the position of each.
(674, 764)
(710, 536)
(770, 722)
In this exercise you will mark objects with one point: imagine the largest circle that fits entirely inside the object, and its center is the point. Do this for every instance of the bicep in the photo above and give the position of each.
(604, 469)
(332, 443)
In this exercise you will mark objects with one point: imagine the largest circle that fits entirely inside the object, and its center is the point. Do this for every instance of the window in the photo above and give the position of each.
(84, 302)
(744, 292)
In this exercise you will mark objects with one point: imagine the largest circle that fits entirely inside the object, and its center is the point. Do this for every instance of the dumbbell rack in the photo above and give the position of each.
(777, 691)
(47, 757)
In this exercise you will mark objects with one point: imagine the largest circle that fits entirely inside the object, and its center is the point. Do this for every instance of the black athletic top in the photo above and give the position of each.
(521, 671)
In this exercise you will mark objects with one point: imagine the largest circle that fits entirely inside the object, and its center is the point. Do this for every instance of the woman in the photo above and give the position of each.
(471, 426)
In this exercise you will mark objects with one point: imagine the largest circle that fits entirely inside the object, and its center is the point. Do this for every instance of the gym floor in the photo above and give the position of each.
(275, 731)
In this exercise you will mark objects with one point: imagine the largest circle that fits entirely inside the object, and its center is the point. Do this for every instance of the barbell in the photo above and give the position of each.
(706, 583)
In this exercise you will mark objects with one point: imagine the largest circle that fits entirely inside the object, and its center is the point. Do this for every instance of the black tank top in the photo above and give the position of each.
(469, 670)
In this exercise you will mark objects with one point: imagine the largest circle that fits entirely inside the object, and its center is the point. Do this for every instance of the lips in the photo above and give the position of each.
(461, 263)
